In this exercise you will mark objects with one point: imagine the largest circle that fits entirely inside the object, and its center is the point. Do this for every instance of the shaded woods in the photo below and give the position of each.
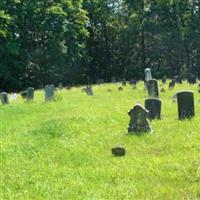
(76, 41)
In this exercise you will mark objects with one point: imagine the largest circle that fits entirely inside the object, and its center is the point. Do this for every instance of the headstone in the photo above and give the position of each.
(177, 79)
(118, 151)
(68, 87)
(133, 82)
(60, 86)
(100, 81)
(152, 87)
(13, 97)
(172, 84)
(89, 90)
(49, 92)
(185, 101)
(120, 88)
(30, 94)
(4, 98)
(123, 82)
(138, 122)
(154, 108)
(164, 79)
(148, 75)
(191, 79)
(23, 94)
(113, 79)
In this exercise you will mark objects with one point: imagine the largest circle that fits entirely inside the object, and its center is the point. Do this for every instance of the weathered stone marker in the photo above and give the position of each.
(118, 151)
(30, 93)
(152, 87)
(185, 101)
(89, 90)
(154, 108)
(148, 75)
(138, 122)
(49, 92)
(4, 98)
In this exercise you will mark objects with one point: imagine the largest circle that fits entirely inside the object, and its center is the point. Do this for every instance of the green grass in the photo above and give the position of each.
(62, 149)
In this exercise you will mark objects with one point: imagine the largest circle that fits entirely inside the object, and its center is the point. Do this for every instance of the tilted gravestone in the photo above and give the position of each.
(185, 100)
(148, 75)
(49, 92)
(154, 108)
(30, 93)
(4, 98)
(138, 122)
(152, 87)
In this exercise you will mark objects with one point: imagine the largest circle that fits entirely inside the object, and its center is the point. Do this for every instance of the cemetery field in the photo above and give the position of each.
(62, 149)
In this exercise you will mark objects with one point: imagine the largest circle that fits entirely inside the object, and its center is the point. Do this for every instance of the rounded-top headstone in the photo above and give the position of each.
(30, 93)
(138, 120)
(49, 92)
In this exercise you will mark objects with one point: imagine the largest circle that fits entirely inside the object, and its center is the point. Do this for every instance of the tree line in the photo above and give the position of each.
(80, 41)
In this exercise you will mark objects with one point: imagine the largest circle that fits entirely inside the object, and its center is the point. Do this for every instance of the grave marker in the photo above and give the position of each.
(138, 122)
(154, 108)
(185, 101)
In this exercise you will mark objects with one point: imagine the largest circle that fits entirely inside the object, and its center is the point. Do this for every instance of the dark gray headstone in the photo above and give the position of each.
(138, 122)
(30, 93)
(4, 98)
(185, 100)
(49, 92)
(152, 87)
(154, 108)
(118, 151)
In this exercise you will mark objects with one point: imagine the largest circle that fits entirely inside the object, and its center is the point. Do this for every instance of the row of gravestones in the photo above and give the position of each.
(140, 115)
(29, 94)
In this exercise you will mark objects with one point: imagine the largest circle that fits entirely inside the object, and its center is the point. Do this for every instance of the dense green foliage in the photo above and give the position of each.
(62, 149)
(76, 41)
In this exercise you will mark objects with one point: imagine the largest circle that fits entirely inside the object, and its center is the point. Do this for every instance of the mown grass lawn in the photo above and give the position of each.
(62, 149)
